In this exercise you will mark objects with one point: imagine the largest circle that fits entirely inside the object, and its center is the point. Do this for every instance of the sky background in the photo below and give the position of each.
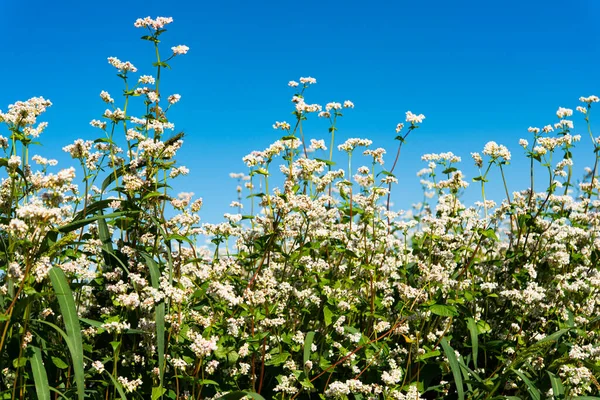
(478, 70)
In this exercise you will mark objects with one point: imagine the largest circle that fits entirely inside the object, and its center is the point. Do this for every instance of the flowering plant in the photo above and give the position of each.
(320, 291)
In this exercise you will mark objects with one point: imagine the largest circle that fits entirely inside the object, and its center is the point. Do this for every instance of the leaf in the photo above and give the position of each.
(240, 394)
(160, 315)
(59, 363)
(429, 354)
(71, 320)
(76, 224)
(308, 341)
(443, 310)
(558, 389)
(455, 367)
(327, 314)
(449, 170)
(118, 385)
(474, 339)
(157, 392)
(533, 391)
(278, 359)
(40, 378)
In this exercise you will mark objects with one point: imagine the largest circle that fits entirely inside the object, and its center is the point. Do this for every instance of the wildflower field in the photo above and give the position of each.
(317, 288)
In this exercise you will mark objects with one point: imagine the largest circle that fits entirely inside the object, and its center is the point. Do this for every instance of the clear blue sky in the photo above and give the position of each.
(478, 70)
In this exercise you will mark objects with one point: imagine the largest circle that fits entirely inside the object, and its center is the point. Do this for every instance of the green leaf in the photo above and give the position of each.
(157, 392)
(160, 315)
(449, 170)
(118, 385)
(327, 314)
(240, 394)
(455, 367)
(76, 224)
(308, 341)
(278, 359)
(443, 310)
(327, 162)
(472, 325)
(558, 389)
(429, 354)
(533, 391)
(40, 378)
(59, 363)
(71, 320)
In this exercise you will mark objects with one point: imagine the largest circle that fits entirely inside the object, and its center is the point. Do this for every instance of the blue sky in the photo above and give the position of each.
(478, 70)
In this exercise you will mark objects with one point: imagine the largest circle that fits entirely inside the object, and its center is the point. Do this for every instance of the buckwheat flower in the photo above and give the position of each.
(348, 104)
(98, 124)
(564, 123)
(533, 130)
(563, 112)
(333, 106)
(324, 114)
(496, 151)
(197, 205)
(26, 339)
(174, 98)
(3, 142)
(399, 127)
(350, 144)
(317, 144)
(524, 143)
(308, 80)
(116, 115)
(156, 24)
(337, 390)
(589, 99)
(175, 172)
(181, 49)
(211, 367)
(547, 129)
(152, 96)
(582, 110)
(414, 119)
(129, 386)
(121, 66)
(146, 80)
(377, 154)
(539, 150)
(477, 159)
(284, 126)
(14, 162)
(106, 97)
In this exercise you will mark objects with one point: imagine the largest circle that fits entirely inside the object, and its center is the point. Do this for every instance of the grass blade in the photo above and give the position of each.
(160, 315)
(558, 389)
(71, 320)
(241, 394)
(533, 391)
(454, 367)
(308, 341)
(117, 385)
(472, 325)
(39, 374)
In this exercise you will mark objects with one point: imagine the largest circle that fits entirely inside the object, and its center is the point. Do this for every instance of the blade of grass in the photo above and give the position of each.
(39, 374)
(68, 311)
(454, 367)
(533, 391)
(241, 394)
(472, 325)
(160, 315)
(308, 341)
(558, 390)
